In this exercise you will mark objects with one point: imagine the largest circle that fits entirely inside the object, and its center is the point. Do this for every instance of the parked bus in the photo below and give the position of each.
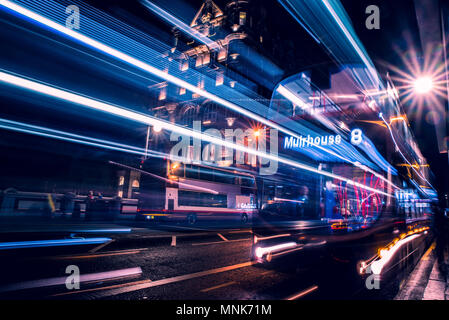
(174, 191)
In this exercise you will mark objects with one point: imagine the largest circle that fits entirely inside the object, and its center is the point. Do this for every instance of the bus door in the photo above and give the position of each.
(171, 199)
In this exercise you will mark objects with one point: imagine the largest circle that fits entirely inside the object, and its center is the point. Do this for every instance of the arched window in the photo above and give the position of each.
(188, 114)
(209, 112)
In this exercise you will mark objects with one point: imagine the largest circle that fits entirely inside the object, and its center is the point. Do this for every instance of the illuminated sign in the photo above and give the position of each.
(302, 142)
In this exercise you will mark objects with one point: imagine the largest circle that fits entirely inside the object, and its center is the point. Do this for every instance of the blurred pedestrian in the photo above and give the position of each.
(303, 201)
(440, 230)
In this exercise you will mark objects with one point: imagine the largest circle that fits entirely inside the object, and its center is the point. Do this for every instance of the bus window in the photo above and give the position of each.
(201, 199)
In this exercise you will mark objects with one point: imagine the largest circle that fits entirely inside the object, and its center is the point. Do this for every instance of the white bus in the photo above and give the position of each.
(173, 191)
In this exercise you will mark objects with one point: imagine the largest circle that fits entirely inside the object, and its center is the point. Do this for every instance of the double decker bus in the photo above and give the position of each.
(358, 188)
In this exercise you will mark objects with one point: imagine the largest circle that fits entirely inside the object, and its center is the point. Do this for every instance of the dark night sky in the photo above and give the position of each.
(399, 29)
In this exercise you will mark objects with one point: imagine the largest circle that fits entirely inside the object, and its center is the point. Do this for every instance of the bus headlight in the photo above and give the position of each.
(259, 252)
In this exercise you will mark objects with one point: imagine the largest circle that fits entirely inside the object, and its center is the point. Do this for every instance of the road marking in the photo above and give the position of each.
(241, 231)
(302, 293)
(133, 286)
(266, 272)
(221, 236)
(115, 286)
(219, 286)
(426, 255)
(90, 277)
(218, 242)
(101, 246)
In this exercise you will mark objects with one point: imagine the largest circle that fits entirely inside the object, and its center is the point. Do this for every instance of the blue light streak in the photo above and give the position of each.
(400, 152)
(181, 25)
(51, 243)
(156, 59)
(148, 120)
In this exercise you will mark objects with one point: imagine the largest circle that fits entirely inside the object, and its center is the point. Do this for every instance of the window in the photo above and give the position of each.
(135, 183)
(199, 61)
(184, 65)
(206, 59)
(188, 114)
(221, 55)
(182, 91)
(242, 18)
(121, 181)
(210, 113)
(201, 199)
(163, 93)
(220, 79)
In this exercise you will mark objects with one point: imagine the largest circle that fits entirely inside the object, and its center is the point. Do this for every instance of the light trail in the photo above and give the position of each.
(51, 243)
(157, 72)
(65, 136)
(181, 25)
(400, 152)
(302, 293)
(290, 11)
(145, 284)
(137, 63)
(378, 265)
(83, 278)
(286, 93)
(365, 59)
(148, 120)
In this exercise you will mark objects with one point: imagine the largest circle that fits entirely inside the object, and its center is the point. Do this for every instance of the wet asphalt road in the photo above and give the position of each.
(199, 263)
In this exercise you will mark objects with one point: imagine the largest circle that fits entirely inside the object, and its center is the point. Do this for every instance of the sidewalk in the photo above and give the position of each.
(426, 282)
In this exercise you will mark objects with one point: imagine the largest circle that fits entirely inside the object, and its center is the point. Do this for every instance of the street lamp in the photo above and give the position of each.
(423, 85)
(157, 129)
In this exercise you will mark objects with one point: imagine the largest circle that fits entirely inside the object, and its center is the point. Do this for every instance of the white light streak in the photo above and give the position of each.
(261, 251)
(387, 255)
(157, 72)
(148, 120)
